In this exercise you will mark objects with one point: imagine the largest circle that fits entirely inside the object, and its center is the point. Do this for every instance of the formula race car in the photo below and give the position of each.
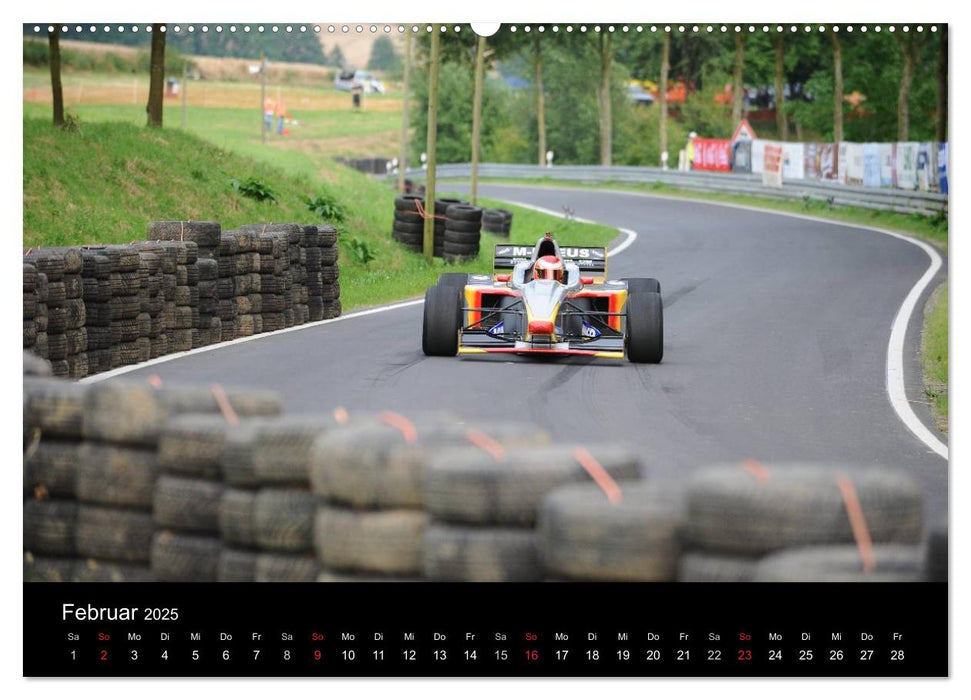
(545, 300)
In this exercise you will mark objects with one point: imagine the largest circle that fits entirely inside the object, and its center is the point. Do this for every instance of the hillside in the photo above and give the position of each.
(103, 181)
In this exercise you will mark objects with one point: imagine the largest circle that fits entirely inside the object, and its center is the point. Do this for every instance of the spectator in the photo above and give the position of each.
(269, 107)
(281, 114)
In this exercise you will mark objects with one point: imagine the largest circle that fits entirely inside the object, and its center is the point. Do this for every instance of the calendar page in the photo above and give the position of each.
(525, 349)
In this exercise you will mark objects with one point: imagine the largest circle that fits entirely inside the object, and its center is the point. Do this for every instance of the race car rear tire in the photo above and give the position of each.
(642, 284)
(442, 319)
(645, 327)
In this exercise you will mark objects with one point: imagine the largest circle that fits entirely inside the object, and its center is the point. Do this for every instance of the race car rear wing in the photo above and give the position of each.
(592, 261)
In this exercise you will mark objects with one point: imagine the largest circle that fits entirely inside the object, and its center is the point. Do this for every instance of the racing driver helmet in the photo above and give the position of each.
(549, 267)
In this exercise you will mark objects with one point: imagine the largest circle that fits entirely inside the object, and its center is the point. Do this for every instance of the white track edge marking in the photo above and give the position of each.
(896, 389)
(245, 339)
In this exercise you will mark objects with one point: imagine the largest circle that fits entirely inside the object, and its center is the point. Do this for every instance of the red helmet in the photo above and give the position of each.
(549, 267)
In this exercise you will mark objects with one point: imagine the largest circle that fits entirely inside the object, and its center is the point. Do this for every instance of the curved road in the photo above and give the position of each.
(776, 334)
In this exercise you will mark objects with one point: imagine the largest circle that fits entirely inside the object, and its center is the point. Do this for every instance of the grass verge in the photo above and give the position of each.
(934, 354)
(103, 181)
(927, 228)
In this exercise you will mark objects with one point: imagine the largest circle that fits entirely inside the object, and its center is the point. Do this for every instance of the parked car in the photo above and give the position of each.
(348, 79)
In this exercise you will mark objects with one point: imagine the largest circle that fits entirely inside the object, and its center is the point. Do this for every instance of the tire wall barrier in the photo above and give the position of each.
(93, 308)
(128, 481)
(457, 227)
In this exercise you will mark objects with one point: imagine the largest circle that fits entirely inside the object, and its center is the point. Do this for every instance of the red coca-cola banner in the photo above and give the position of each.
(712, 154)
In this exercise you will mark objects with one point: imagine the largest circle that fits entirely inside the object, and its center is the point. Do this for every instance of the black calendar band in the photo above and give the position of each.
(458, 629)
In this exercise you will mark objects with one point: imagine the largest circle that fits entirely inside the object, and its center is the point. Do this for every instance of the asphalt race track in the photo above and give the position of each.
(776, 335)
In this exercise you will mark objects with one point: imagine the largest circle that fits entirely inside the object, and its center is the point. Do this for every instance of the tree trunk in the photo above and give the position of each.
(403, 150)
(662, 98)
(837, 87)
(540, 103)
(54, 46)
(738, 85)
(940, 121)
(782, 124)
(477, 116)
(156, 83)
(908, 52)
(606, 131)
(428, 242)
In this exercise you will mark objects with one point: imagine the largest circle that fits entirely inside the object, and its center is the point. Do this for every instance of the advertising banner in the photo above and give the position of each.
(942, 167)
(758, 155)
(792, 161)
(871, 165)
(828, 161)
(843, 162)
(927, 166)
(810, 161)
(887, 154)
(772, 166)
(854, 164)
(712, 154)
(906, 165)
(742, 157)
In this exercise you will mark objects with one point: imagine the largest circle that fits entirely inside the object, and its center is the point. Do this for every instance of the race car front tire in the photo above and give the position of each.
(453, 279)
(645, 327)
(442, 319)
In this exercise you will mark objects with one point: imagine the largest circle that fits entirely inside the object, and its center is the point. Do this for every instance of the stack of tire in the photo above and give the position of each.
(31, 303)
(75, 312)
(586, 536)
(789, 522)
(247, 301)
(484, 507)
(53, 421)
(137, 415)
(298, 274)
(463, 224)
(65, 310)
(275, 282)
(151, 318)
(206, 235)
(226, 285)
(97, 294)
(210, 324)
(180, 293)
(371, 521)
(408, 227)
(267, 511)
(323, 287)
(412, 187)
(185, 505)
(498, 222)
(41, 290)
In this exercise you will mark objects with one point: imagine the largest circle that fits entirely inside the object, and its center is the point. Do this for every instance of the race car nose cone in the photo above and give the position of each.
(541, 327)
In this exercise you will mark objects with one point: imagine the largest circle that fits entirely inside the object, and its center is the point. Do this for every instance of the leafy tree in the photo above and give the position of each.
(280, 46)
(336, 57)
(383, 56)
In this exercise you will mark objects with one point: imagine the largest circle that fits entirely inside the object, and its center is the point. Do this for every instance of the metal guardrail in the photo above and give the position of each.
(903, 201)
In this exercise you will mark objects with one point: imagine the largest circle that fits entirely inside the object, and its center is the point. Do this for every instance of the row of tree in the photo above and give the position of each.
(823, 86)
(590, 70)
(292, 47)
